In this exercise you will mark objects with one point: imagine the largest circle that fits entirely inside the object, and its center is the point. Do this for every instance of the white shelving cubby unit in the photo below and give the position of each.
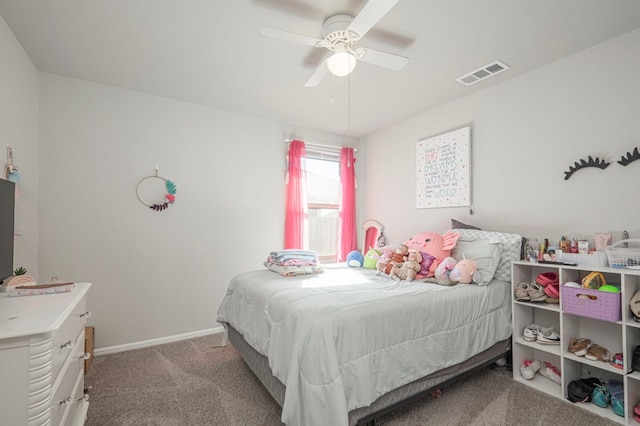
(618, 337)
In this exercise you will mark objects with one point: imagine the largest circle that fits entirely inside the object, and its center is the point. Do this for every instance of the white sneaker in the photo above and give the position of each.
(531, 332)
(529, 368)
(548, 336)
(550, 372)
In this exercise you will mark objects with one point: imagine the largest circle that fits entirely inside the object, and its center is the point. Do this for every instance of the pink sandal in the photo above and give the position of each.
(547, 278)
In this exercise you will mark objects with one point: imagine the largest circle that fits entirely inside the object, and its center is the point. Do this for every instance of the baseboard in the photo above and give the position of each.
(159, 341)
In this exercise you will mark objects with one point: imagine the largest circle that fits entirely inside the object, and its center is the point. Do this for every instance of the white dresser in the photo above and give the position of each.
(42, 358)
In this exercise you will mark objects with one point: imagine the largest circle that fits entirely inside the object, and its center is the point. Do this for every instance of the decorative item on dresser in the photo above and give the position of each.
(42, 358)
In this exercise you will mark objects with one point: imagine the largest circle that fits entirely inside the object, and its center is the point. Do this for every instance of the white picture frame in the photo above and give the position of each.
(443, 171)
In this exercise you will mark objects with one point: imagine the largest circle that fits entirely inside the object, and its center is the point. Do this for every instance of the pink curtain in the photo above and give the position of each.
(347, 227)
(296, 215)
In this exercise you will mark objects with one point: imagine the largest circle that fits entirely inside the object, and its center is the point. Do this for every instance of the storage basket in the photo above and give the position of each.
(597, 258)
(621, 257)
(605, 306)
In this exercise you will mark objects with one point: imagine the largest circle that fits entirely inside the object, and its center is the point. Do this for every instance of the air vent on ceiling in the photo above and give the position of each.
(482, 73)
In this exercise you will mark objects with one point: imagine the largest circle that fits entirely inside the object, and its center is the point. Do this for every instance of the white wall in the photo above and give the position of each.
(526, 133)
(19, 128)
(156, 274)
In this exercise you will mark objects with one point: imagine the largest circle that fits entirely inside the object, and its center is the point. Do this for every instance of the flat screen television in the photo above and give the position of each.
(7, 213)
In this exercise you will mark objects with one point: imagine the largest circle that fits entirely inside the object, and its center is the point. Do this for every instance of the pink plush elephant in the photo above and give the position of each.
(434, 249)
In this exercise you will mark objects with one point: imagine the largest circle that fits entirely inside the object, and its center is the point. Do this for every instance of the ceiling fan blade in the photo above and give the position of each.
(381, 59)
(318, 75)
(289, 36)
(370, 14)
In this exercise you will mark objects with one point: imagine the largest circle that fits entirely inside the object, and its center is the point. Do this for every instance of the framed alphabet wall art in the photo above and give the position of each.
(443, 176)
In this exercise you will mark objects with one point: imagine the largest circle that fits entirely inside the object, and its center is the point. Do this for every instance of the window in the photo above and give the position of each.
(323, 200)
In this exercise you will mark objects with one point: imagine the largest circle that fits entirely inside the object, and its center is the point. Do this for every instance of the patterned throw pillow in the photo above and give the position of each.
(511, 248)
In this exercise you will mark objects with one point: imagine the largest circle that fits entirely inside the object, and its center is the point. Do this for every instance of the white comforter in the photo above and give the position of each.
(341, 339)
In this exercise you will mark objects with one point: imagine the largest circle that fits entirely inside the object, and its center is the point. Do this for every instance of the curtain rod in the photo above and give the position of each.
(319, 145)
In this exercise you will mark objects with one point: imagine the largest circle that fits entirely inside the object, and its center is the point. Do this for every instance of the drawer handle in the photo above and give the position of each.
(66, 401)
(86, 314)
(85, 356)
(67, 345)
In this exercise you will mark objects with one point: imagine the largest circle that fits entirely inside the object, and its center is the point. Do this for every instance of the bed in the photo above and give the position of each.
(344, 346)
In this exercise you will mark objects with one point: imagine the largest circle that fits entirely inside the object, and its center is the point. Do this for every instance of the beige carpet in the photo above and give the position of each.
(195, 382)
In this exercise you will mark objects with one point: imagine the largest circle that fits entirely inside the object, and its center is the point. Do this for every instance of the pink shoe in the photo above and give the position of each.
(550, 372)
(529, 368)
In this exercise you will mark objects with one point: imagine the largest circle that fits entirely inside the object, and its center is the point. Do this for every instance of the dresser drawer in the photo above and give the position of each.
(66, 337)
(69, 388)
(41, 359)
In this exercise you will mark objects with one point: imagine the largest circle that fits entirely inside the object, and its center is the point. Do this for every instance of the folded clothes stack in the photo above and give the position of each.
(294, 262)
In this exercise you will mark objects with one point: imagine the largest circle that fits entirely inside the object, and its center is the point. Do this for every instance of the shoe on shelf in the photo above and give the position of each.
(531, 332)
(636, 413)
(635, 360)
(536, 293)
(579, 346)
(529, 368)
(550, 372)
(548, 336)
(616, 389)
(617, 362)
(522, 292)
(546, 278)
(598, 353)
(601, 396)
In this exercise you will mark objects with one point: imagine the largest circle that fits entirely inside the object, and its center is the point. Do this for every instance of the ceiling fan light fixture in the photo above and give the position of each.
(341, 63)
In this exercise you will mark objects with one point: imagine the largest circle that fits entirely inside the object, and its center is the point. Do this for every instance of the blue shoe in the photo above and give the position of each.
(601, 396)
(616, 389)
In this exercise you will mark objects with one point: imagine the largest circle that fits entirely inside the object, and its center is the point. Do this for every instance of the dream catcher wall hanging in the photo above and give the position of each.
(169, 196)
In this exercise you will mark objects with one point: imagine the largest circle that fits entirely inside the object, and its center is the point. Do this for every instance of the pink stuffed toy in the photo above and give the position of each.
(465, 272)
(434, 248)
(384, 259)
(443, 271)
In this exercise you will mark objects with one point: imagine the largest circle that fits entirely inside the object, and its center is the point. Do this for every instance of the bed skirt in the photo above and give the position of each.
(259, 365)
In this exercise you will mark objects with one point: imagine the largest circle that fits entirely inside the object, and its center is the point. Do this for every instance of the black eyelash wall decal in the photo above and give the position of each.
(601, 164)
(630, 158)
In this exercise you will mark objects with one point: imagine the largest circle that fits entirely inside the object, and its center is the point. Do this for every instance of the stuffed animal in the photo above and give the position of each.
(465, 272)
(434, 248)
(408, 269)
(355, 259)
(384, 259)
(398, 257)
(371, 259)
(443, 271)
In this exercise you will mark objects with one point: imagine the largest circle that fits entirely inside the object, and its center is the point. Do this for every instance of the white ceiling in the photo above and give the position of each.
(210, 52)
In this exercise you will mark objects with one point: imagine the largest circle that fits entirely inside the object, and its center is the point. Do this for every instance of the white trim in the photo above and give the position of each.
(159, 341)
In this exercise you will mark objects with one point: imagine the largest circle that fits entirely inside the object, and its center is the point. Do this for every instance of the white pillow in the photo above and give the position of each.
(511, 248)
(485, 253)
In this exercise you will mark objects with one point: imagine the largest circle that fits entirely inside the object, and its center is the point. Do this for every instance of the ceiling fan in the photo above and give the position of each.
(341, 33)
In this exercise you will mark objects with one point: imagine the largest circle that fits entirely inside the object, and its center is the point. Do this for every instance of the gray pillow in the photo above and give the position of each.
(485, 253)
(455, 224)
(459, 225)
(511, 248)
